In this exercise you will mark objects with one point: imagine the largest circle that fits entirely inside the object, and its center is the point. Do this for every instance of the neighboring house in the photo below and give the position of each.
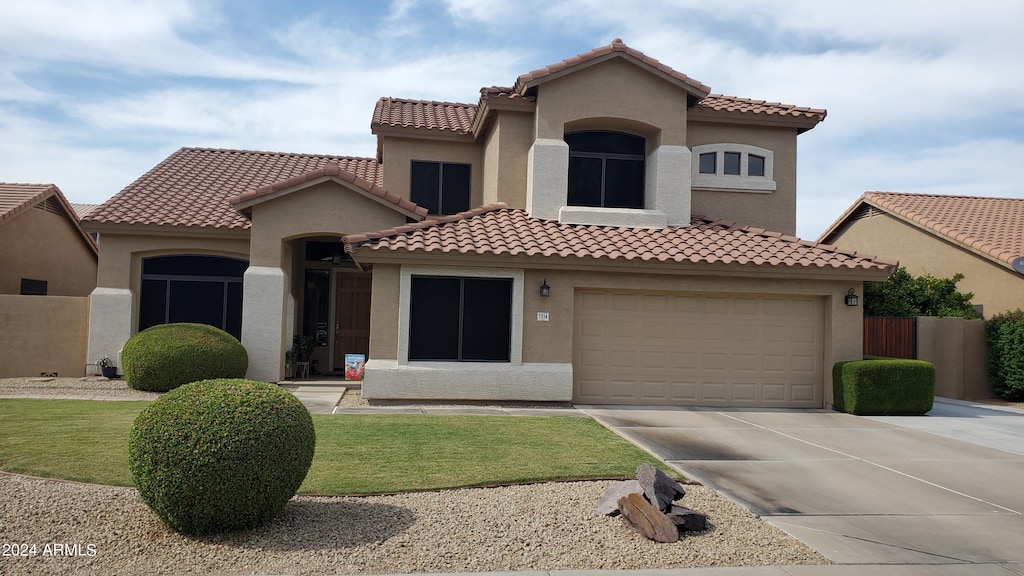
(43, 250)
(47, 271)
(983, 238)
(599, 232)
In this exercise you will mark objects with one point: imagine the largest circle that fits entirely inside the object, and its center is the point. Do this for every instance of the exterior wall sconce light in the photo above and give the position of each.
(545, 290)
(851, 298)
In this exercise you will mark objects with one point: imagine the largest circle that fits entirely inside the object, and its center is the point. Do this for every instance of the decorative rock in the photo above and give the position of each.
(647, 520)
(687, 519)
(659, 489)
(609, 503)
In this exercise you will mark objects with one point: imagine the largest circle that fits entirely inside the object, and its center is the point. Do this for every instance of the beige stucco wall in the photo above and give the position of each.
(995, 287)
(506, 149)
(400, 152)
(384, 310)
(551, 342)
(774, 211)
(44, 246)
(121, 254)
(43, 334)
(121, 257)
(612, 95)
(325, 209)
(957, 349)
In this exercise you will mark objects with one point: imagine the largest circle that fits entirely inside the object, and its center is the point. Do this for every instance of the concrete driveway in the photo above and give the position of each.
(859, 490)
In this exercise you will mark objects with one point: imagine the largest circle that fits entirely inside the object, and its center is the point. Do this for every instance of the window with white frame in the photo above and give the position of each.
(733, 167)
(460, 319)
(453, 315)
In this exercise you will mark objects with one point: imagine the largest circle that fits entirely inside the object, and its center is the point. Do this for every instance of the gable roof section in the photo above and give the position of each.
(989, 227)
(193, 186)
(461, 120)
(496, 229)
(465, 119)
(617, 49)
(16, 198)
(441, 116)
(328, 172)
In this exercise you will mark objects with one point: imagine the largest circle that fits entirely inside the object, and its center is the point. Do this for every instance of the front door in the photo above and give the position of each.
(352, 315)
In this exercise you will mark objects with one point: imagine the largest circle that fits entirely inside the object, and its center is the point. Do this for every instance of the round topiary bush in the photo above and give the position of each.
(163, 357)
(220, 455)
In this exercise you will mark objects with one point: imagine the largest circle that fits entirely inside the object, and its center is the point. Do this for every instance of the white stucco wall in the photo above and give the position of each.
(263, 322)
(547, 178)
(110, 324)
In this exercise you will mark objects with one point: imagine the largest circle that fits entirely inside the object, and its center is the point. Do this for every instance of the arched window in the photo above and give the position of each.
(606, 169)
(192, 288)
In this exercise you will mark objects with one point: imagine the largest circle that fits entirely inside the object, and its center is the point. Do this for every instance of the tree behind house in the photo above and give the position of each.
(906, 295)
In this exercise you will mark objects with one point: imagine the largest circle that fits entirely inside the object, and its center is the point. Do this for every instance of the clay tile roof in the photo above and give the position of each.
(16, 198)
(331, 170)
(82, 209)
(192, 187)
(718, 102)
(617, 47)
(496, 229)
(442, 116)
(989, 226)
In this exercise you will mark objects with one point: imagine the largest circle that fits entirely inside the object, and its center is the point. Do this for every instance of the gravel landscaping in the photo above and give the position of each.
(83, 528)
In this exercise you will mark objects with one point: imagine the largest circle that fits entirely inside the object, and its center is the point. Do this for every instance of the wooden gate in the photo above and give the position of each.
(890, 337)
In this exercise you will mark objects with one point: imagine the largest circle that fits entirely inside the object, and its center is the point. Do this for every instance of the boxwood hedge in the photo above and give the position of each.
(883, 387)
(220, 455)
(163, 357)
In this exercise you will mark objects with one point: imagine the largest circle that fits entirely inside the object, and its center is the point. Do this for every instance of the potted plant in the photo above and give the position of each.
(289, 363)
(107, 367)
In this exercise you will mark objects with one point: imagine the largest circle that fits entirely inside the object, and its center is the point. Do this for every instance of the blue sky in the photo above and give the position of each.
(921, 96)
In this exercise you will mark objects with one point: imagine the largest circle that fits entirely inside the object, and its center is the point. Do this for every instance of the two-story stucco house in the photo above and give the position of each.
(605, 230)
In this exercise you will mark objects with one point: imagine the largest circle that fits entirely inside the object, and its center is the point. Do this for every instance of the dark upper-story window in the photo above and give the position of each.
(707, 163)
(755, 165)
(440, 187)
(606, 169)
(732, 163)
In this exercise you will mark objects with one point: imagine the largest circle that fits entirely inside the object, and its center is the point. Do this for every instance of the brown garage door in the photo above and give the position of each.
(697, 349)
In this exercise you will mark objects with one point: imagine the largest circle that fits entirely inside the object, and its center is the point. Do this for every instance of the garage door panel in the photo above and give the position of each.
(693, 349)
(773, 392)
(745, 391)
(683, 392)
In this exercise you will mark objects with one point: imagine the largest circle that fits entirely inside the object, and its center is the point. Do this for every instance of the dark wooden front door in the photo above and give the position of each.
(352, 316)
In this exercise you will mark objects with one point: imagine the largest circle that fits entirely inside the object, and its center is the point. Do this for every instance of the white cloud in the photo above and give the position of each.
(842, 173)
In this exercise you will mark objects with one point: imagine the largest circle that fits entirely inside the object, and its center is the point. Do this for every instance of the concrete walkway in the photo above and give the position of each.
(878, 491)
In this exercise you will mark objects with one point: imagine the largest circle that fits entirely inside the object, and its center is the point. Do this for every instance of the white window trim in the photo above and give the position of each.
(731, 182)
(405, 297)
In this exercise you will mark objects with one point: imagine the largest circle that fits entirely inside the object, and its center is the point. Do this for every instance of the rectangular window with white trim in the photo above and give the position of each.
(460, 319)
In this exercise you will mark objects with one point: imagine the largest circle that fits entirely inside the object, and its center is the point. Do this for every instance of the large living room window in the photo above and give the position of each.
(460, 319)
(606, 169)
(441, 187)
(192, 288)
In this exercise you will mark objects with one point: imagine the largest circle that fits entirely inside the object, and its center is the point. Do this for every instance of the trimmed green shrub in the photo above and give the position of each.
(883, 387)
(220, 455)
(1004, 334)
(163, 357)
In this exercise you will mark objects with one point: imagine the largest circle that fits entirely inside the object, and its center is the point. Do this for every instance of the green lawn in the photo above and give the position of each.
(87, 441)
